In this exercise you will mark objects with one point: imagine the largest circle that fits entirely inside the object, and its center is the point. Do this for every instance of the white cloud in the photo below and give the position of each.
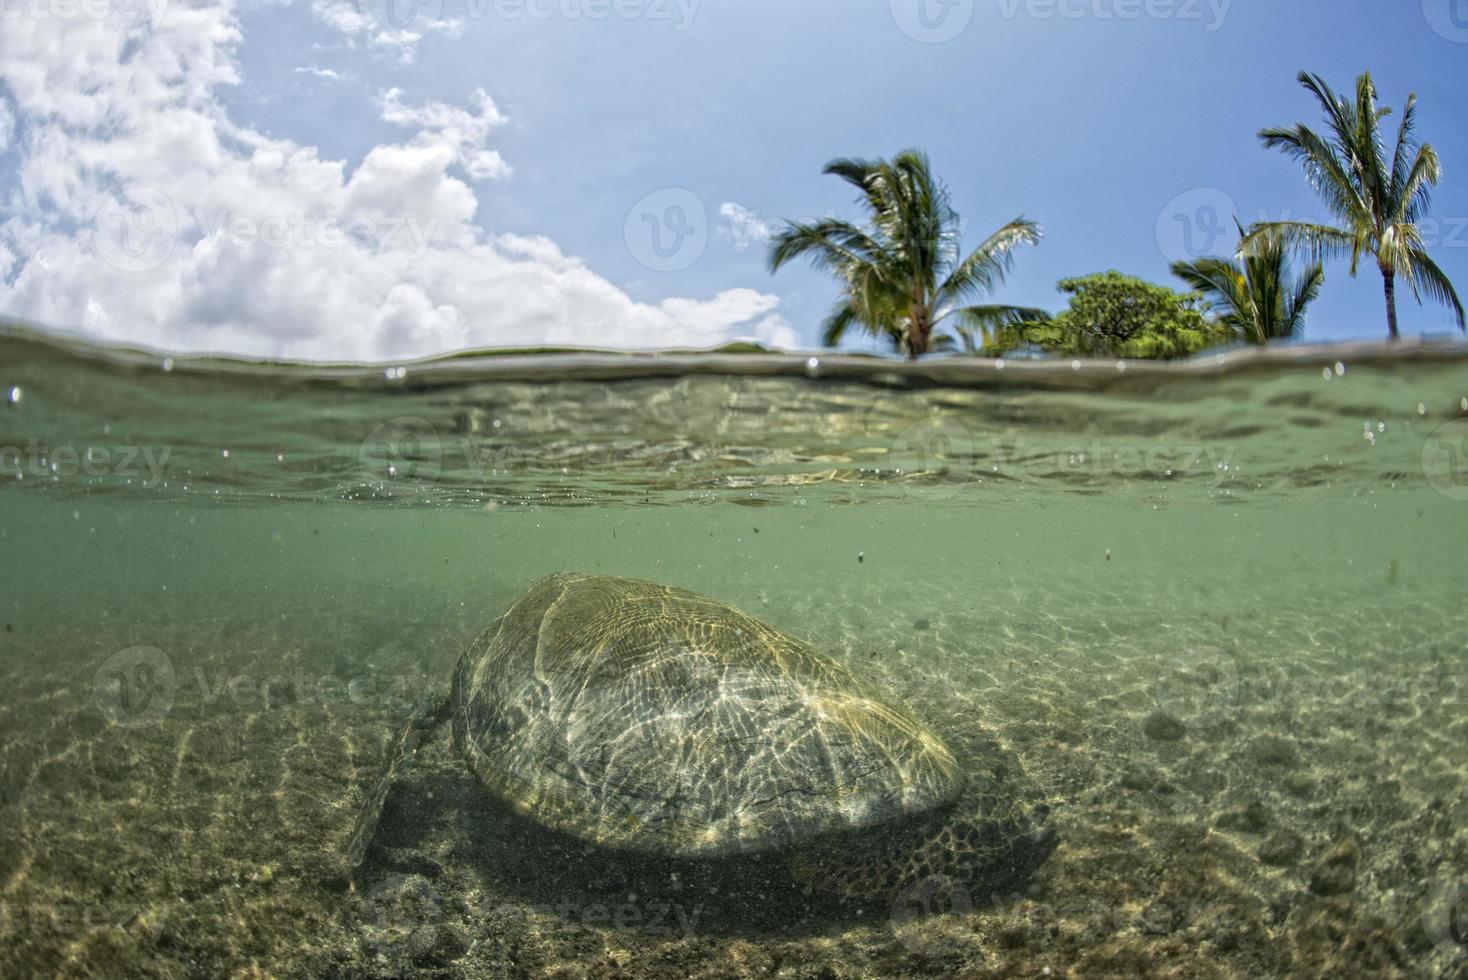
(387, 29)
(328, 73)
(463, 132)
(743, 227)
(142, 213)
(7, 124)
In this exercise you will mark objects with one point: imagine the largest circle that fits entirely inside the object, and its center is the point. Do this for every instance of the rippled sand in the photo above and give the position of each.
(1172, 741)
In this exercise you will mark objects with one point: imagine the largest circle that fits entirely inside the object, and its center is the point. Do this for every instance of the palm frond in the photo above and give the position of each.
(986, 266)
(1429, 279)
(1318, 242)
(1416, 191)
(1307, 290)
(828, 244)
(1406, 147)
(1221, 281)
(834, 327)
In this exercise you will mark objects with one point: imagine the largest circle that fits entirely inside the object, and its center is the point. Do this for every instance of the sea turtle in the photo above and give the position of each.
(648, 719)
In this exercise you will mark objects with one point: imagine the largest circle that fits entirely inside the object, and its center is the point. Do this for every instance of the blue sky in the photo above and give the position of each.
(1128, 137)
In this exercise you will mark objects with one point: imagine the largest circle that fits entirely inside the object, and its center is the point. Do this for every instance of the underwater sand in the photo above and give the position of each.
(1240, 692)
(209, 842)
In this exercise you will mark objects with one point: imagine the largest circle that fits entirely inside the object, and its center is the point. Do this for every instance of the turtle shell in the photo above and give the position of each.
(648, 718)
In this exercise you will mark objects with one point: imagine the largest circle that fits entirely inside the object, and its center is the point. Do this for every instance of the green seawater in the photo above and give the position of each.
(1215, 619)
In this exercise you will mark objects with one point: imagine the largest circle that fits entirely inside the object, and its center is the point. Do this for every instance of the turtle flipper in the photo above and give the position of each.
(415, 732)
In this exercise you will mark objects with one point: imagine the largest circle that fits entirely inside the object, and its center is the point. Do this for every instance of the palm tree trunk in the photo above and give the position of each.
(1390, 281)
(921, 333)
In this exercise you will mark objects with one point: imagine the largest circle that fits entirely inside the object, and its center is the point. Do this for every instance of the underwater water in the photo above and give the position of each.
(1212, 619)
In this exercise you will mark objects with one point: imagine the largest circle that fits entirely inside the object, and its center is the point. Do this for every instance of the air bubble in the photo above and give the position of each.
(14, 395)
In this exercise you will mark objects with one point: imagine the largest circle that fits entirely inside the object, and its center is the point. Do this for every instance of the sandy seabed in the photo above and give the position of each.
(1276, 795)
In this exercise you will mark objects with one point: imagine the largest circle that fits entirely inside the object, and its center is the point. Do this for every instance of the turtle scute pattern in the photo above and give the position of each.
(647, 718)
(986, 844)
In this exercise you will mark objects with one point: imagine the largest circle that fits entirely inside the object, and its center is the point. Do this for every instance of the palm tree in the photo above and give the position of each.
(1253, 296)
(1378, 203)
(901, 273)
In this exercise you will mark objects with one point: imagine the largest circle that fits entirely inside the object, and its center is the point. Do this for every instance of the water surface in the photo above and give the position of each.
(1210, 613)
